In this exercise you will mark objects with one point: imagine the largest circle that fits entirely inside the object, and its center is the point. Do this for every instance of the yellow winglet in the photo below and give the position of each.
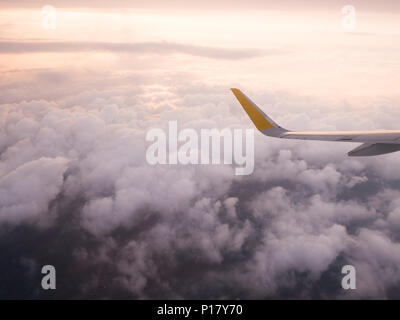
(251, 109)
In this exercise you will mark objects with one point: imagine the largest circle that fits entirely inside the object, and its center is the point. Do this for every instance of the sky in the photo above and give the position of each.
(78, 97)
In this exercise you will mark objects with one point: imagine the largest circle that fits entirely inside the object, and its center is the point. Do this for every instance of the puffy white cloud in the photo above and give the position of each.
(26, 192)
(180, 228)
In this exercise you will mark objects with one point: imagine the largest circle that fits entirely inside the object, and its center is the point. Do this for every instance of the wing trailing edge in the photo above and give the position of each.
(373, 149)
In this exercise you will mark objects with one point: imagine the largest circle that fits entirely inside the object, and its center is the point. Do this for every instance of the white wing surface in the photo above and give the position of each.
(374, 142)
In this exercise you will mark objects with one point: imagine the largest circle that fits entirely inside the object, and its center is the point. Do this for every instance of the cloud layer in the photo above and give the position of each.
(77, 192)
(7, 47)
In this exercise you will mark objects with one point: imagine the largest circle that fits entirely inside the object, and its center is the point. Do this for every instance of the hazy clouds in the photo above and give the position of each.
(193, 231)
(76, 190)
(132, 48)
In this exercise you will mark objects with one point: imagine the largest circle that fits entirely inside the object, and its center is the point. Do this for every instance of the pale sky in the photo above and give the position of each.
(371, 5)
(298, 48)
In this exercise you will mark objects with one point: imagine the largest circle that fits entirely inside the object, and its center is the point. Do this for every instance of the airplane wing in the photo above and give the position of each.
(374, 142)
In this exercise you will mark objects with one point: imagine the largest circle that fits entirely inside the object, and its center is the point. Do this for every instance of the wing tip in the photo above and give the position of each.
(259, 119)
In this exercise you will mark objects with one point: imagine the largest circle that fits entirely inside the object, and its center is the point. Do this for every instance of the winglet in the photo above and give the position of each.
(262, 122)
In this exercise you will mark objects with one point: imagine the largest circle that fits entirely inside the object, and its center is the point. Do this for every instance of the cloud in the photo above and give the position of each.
(155, 48)
(74, 169)
(26, 192)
